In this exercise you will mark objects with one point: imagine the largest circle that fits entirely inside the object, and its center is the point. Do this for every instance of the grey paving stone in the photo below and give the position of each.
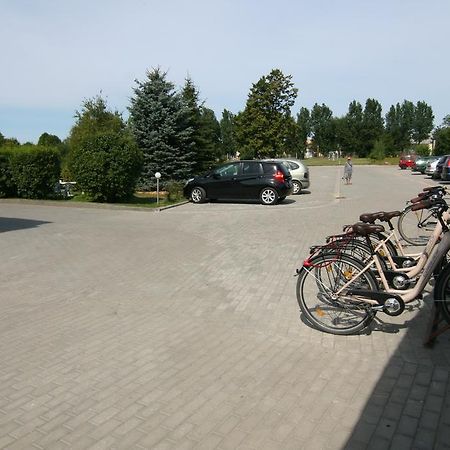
(401, 442)
(180, 329)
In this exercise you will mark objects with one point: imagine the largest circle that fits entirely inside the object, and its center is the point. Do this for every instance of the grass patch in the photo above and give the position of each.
(139, 199)
(393, 161)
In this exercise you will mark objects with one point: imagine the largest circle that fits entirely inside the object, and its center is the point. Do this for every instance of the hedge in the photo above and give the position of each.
(29, 171)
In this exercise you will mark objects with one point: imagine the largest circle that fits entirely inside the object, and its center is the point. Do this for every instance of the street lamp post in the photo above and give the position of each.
(157, 176)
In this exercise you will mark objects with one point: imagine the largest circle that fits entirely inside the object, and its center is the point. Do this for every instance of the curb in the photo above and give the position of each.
(64, 204)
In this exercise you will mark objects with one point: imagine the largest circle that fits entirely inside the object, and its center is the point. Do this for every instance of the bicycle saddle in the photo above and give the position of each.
(364, 229)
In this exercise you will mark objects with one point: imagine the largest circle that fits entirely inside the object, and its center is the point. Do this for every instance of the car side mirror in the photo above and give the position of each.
(216, 176)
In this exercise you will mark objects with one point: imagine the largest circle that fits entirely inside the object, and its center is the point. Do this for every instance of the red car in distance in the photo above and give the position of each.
(406, 161)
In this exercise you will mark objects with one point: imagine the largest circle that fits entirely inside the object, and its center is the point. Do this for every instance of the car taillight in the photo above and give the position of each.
(448, 163)
(279, 176)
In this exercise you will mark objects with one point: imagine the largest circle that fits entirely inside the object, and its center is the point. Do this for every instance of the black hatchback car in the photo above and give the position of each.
(267, 181)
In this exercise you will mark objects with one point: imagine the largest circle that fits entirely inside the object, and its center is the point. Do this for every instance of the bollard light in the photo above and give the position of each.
(157, 176)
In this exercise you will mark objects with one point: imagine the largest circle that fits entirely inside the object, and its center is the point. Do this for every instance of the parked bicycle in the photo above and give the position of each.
(340, 294)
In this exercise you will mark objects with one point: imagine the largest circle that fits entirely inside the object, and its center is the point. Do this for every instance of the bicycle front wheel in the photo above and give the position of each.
(416, 227)
(316, 294)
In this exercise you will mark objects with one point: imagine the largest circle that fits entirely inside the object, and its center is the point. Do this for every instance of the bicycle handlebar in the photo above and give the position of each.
(429, 193)
(421, 205)
(434, 189)
(429, 202)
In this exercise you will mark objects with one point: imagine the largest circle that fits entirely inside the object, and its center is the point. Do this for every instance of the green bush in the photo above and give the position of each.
(421, 150)
(7, 186)
(174, 190)
(34, 171)
(106, 166)
(379, 151)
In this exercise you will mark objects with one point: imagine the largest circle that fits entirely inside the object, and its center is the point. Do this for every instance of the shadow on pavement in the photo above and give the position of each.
(410, 404)
(12, 224)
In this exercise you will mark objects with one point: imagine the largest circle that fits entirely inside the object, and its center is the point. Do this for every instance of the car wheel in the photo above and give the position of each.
(268, 196)
(198, 195)
(297, 187)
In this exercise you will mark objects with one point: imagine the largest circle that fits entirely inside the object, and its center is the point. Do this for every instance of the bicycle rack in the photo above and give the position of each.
(435, 328)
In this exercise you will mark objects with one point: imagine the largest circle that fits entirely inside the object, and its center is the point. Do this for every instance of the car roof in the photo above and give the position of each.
(285, 159)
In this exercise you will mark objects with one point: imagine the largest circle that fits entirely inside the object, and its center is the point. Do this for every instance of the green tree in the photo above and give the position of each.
(446, 121)
(323, 128)
(265, 125)
(159, 121)
(94, 118)
(107, 165)
(2, 139)
(34, 170)
(303, 129)
(10, 142)
(210, 131)
(49, 140)
(378, 151)
(228, 146)
(104, 159)
(372, 126)
(399, 123)
(441, 137)
(293, 145)
(205, 128)
(349, 132)
(422, 122)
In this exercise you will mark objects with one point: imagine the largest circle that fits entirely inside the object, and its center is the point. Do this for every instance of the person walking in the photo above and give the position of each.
(348, 171)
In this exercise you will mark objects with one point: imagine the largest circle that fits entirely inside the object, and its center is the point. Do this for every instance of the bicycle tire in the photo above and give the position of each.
(416, 227)
(442, 293)
(340, 316)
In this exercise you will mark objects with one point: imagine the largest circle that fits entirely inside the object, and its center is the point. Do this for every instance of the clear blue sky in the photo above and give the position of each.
(56, 53)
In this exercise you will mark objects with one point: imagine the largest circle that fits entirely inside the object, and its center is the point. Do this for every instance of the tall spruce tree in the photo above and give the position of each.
(228, 146)
(265, 125)
(204, 125)
(210, 131)
(159, 121)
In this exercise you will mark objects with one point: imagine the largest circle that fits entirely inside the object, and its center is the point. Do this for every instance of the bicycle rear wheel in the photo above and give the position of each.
(442, 293)
(416, 227)
(317, 284)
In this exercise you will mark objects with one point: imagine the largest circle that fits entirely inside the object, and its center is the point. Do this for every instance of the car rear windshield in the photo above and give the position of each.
(272, 167)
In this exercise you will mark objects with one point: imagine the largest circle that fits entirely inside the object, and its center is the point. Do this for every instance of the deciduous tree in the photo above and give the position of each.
(303, 129)
(423, 122)
(372, 127)
(322, 127)
(49, 140)
(104, 159)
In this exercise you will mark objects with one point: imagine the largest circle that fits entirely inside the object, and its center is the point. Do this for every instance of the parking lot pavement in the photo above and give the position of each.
(180, 329)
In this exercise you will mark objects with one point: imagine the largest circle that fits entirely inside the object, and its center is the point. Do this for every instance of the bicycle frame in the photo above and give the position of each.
(407, 295)
(421, 257)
